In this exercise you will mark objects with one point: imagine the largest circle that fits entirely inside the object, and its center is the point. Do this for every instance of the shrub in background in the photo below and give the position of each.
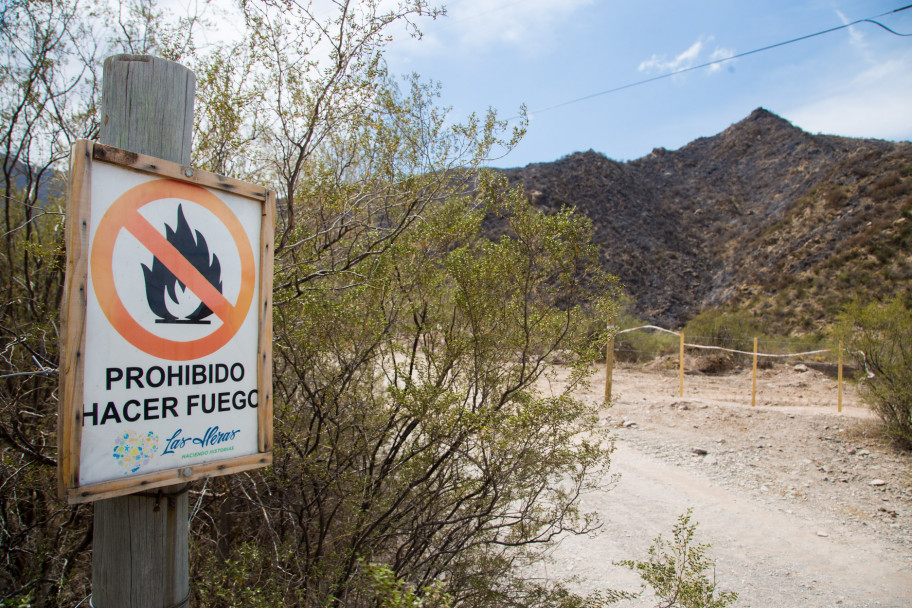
(878, 337)
(643, 346)
(735, 330)
(639, 346)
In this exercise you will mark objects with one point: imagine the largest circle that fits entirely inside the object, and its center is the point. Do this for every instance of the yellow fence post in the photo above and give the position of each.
(754, 388)
(681, 366)
(839, 380)
(609, 361)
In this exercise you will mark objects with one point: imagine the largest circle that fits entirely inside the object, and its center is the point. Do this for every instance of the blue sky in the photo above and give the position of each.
(503, 53)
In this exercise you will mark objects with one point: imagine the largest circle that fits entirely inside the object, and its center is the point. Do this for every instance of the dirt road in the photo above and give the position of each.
(803, 507)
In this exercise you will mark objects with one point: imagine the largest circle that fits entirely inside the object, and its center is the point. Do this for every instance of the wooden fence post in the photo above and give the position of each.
(609, 361)
(141, 545)
(754, 382)
(681, 367)
(839, 380)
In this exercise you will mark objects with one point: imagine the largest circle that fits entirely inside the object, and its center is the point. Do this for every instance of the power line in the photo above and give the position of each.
(724, 59)
(894, 32)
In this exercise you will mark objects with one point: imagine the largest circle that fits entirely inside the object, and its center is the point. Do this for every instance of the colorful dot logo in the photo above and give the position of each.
(134, 450)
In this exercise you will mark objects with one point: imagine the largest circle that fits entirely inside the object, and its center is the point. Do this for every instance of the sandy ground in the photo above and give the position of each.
(803, 507)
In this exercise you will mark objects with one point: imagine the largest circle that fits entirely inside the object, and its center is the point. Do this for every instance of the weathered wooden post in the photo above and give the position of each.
(141, 543)
(839, 381)
(681, 367)
(609, 361)
(754, 377)
(144, 410)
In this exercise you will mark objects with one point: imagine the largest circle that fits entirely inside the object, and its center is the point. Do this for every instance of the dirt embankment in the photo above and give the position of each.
(803, 506)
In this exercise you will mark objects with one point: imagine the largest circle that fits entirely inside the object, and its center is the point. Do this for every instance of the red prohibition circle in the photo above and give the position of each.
(124, 215)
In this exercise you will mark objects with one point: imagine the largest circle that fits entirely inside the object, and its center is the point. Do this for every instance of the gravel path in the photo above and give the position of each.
(804, 507)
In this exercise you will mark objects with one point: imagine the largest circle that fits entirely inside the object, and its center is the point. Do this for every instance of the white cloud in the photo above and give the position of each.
(720, 55)
(856, 38)
(659, 63)
(693, 56)
(509, 21)
(477, 25)
(875, 103)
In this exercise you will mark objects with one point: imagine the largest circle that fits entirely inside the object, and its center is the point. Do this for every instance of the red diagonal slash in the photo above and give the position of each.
(185, 272)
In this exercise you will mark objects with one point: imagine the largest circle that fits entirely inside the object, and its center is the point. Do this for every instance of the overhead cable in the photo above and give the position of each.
(724, 59)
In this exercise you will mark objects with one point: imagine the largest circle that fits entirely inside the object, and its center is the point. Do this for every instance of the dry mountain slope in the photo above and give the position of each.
(763, 216)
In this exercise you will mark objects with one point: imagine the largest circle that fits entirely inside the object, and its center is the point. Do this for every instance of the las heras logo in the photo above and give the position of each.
(134, 450)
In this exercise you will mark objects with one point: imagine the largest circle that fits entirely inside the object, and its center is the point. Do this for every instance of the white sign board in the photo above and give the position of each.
(167, 345)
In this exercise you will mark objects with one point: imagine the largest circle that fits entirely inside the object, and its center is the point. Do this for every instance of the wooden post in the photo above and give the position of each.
(681, 367)
(754, 387)
(839, 380)
(141, 543)
(609, 361)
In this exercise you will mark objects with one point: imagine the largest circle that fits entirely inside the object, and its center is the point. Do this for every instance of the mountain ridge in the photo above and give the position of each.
(742, 219)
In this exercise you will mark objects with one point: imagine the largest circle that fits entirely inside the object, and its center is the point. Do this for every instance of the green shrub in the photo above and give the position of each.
(890, 186)
(732, 330)
(834, 196)
(735, 330)
(231, 581)
(392, 592)
(677, 570)
(642, 345)
(879, 337)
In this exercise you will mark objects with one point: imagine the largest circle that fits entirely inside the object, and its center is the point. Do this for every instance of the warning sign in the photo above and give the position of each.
(172, 382)
(182, 268)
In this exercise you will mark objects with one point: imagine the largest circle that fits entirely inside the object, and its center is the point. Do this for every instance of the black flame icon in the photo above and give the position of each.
(160, 280)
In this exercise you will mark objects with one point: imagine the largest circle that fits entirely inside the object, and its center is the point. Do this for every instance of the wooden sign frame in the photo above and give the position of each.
(85, 154)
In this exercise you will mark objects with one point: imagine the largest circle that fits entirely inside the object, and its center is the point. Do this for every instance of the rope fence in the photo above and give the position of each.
(609, 360)
(755, 354)
(722, 348)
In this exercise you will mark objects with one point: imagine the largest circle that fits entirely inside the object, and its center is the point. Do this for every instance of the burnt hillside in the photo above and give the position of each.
(762, 215)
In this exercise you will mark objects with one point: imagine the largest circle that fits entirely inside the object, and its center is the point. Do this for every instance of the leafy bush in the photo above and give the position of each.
(410, 431)
(677, 570)
(639, 346)
(732, 330)
(393, 592)
(735, 330)
(643, 345)
(879, 338)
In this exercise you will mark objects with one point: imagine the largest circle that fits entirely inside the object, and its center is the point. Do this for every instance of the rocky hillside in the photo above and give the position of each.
(762, 216)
